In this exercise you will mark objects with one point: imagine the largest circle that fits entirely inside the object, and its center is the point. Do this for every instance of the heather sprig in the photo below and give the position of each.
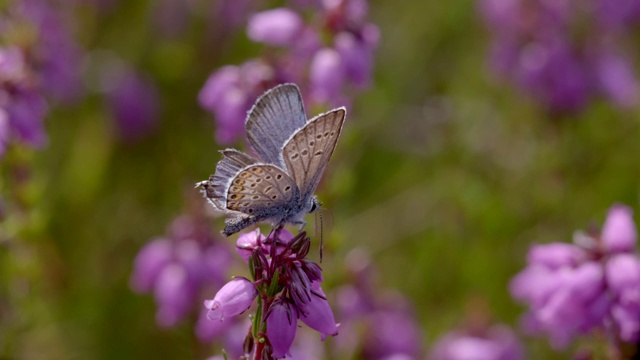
(565, 54)
(324, 47)
(377, 323)
(592, 285)
(179, 268)
(285, 287)
(39, 60)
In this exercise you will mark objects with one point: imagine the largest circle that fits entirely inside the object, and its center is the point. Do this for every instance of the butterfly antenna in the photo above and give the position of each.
(321, 237)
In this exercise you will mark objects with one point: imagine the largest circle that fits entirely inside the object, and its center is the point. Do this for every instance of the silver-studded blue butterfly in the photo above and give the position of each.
(294, 152)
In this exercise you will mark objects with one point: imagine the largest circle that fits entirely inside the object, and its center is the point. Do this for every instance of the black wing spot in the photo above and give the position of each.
(333, 133)
(326, 134)
(233, 196)
(250, 211)
(287, 188)
(258, 180)
(253, 185)
(245, 204)
(268, 177)
(294, 156)
(268, 203)
(318, 153)
(279, 176)
(305, 152)
(274, 197)
(256, 197)
(319, 136)
(237, 181)
(268, 188)
(311, 143)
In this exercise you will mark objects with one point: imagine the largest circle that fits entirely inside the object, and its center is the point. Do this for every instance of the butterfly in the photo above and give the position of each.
(279, 186)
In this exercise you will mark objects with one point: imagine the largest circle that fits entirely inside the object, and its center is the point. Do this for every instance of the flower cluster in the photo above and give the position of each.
(322, 55)
(38, 59)
(375, 324)
(565, 52)
(178, 268)
(131, 97)
(496, 342)
(287, 288)
(573, 289)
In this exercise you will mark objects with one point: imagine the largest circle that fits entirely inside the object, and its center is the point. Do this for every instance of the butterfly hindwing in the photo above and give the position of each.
(275, 116)
(261, 190)
(308, 151)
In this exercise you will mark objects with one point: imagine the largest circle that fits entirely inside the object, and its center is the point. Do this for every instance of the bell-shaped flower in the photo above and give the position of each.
(281, 328)
(149, 263)
(232, 299)
(279, 27)
(317, 313)
(247, 242)
(619, 231)
(555, 255)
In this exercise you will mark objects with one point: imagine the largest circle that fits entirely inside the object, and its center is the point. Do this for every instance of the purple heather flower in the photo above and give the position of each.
(149, 262)
(317, 313)
(619, 231)
(57, 56)
(623, 278)
(229, 93)
(207, 330)
(326, 75)
(232, 299)
(392, 332)
(617, 79)
(4, 132)
(231, 14)
(281, 327)
(279, 27)
(357, 54)
(495, 343)
(534, 46)
(573, 289)
(555, 255)
(247, 242)
(22, 104)
(178, 268)
(174, 293)
(134, 103)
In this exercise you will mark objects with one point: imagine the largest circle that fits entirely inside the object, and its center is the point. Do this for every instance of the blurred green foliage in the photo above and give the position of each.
(444, 175)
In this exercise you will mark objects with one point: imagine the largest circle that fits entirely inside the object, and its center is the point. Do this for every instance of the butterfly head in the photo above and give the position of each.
(315, 204)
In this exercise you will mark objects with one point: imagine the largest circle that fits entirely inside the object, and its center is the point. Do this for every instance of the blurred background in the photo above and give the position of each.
(474, 129)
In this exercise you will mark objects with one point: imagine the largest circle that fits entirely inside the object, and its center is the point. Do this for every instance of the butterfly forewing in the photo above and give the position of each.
(261, 190)
(308, 151)
(231, 163)
(275, 116)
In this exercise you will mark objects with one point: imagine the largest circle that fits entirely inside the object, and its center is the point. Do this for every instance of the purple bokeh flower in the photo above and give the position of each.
(46, 64)
(375, 323)
(574, 289)
(133, 101)
(229, 93)
(178, 268)
(497, 342)
(534, 46)
(21, 102)
(279, 27)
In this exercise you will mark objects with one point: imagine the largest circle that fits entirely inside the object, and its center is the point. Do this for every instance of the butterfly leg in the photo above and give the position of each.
(238, 223)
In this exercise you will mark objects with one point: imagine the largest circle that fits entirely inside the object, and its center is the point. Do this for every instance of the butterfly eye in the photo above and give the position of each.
(314, 207)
